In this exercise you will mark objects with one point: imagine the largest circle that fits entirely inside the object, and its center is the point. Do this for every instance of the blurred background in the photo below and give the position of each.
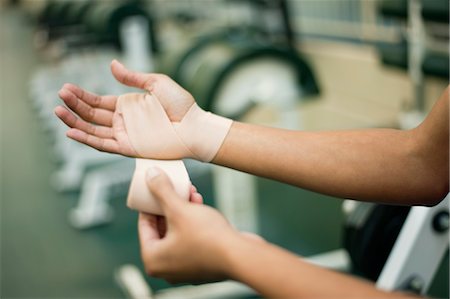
(300, 64)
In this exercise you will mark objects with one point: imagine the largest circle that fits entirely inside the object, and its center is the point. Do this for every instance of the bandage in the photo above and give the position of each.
(139, 196)
(198, 135)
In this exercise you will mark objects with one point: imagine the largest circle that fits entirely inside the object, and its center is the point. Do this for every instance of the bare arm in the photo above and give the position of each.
(199, 244)
(276, 273)
(381, 165)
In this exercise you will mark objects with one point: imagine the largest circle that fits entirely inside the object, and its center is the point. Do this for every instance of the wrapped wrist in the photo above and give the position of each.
(198, 135)
(203, 132)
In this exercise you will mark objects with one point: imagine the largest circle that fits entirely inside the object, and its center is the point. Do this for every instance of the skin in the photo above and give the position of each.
(376, 165)
(380, 165)
(179, 255)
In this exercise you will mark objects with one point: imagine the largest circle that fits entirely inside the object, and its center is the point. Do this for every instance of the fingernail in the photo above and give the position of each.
(116, 61)
(152, 172)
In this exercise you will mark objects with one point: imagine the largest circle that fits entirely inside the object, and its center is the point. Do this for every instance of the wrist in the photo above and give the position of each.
(233, 251)
(203, 132)
(199, 135)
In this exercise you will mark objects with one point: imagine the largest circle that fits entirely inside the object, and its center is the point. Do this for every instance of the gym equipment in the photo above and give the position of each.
(105, 18)
(77, 11)
(425, 231)
(54, 12)
(98, 186)
(434, 10)
(239, 75)
(86, 23)
(387, 244)
(369, 234)
(33, 9)
(256, 55)
(82, 168)
(60, 18)
(421, 52)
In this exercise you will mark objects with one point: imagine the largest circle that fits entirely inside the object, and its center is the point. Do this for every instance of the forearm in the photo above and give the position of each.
(394, 166)
(366, 164)
(275, 273)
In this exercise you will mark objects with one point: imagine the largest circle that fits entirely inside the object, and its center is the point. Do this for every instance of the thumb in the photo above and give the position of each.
(130, 78)
(162, 189)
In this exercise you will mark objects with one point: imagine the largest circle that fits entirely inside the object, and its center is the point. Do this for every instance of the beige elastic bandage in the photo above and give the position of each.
(198, 135)
(139, 196)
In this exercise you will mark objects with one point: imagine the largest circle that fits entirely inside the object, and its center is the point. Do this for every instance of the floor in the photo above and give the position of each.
(42, 256)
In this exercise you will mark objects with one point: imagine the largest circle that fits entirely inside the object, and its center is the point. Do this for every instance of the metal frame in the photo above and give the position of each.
(418, 251)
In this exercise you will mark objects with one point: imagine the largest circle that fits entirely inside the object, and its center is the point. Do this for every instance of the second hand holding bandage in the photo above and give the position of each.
(139, 196)
(198, 135)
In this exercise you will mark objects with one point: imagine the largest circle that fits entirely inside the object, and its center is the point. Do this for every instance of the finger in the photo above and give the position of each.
(147, 230)
(163, 190)
(196, 198)
(193, 189)
(130, 78)
(101, 144)
(74, 122)
(252, 236)
(107, 102)
(86, 112)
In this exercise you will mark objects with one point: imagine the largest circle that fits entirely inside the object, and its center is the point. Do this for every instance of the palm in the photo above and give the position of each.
(120, 135)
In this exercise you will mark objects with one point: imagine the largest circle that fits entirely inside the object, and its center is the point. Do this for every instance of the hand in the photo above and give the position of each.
(100, 126)
(160, 221)
(191, 244)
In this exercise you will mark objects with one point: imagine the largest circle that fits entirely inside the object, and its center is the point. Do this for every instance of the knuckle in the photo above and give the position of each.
(125, 78)
(148, 84)
(90, 113)
(100, 150)
(91, 130)
(102, 144)
(96, 101)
